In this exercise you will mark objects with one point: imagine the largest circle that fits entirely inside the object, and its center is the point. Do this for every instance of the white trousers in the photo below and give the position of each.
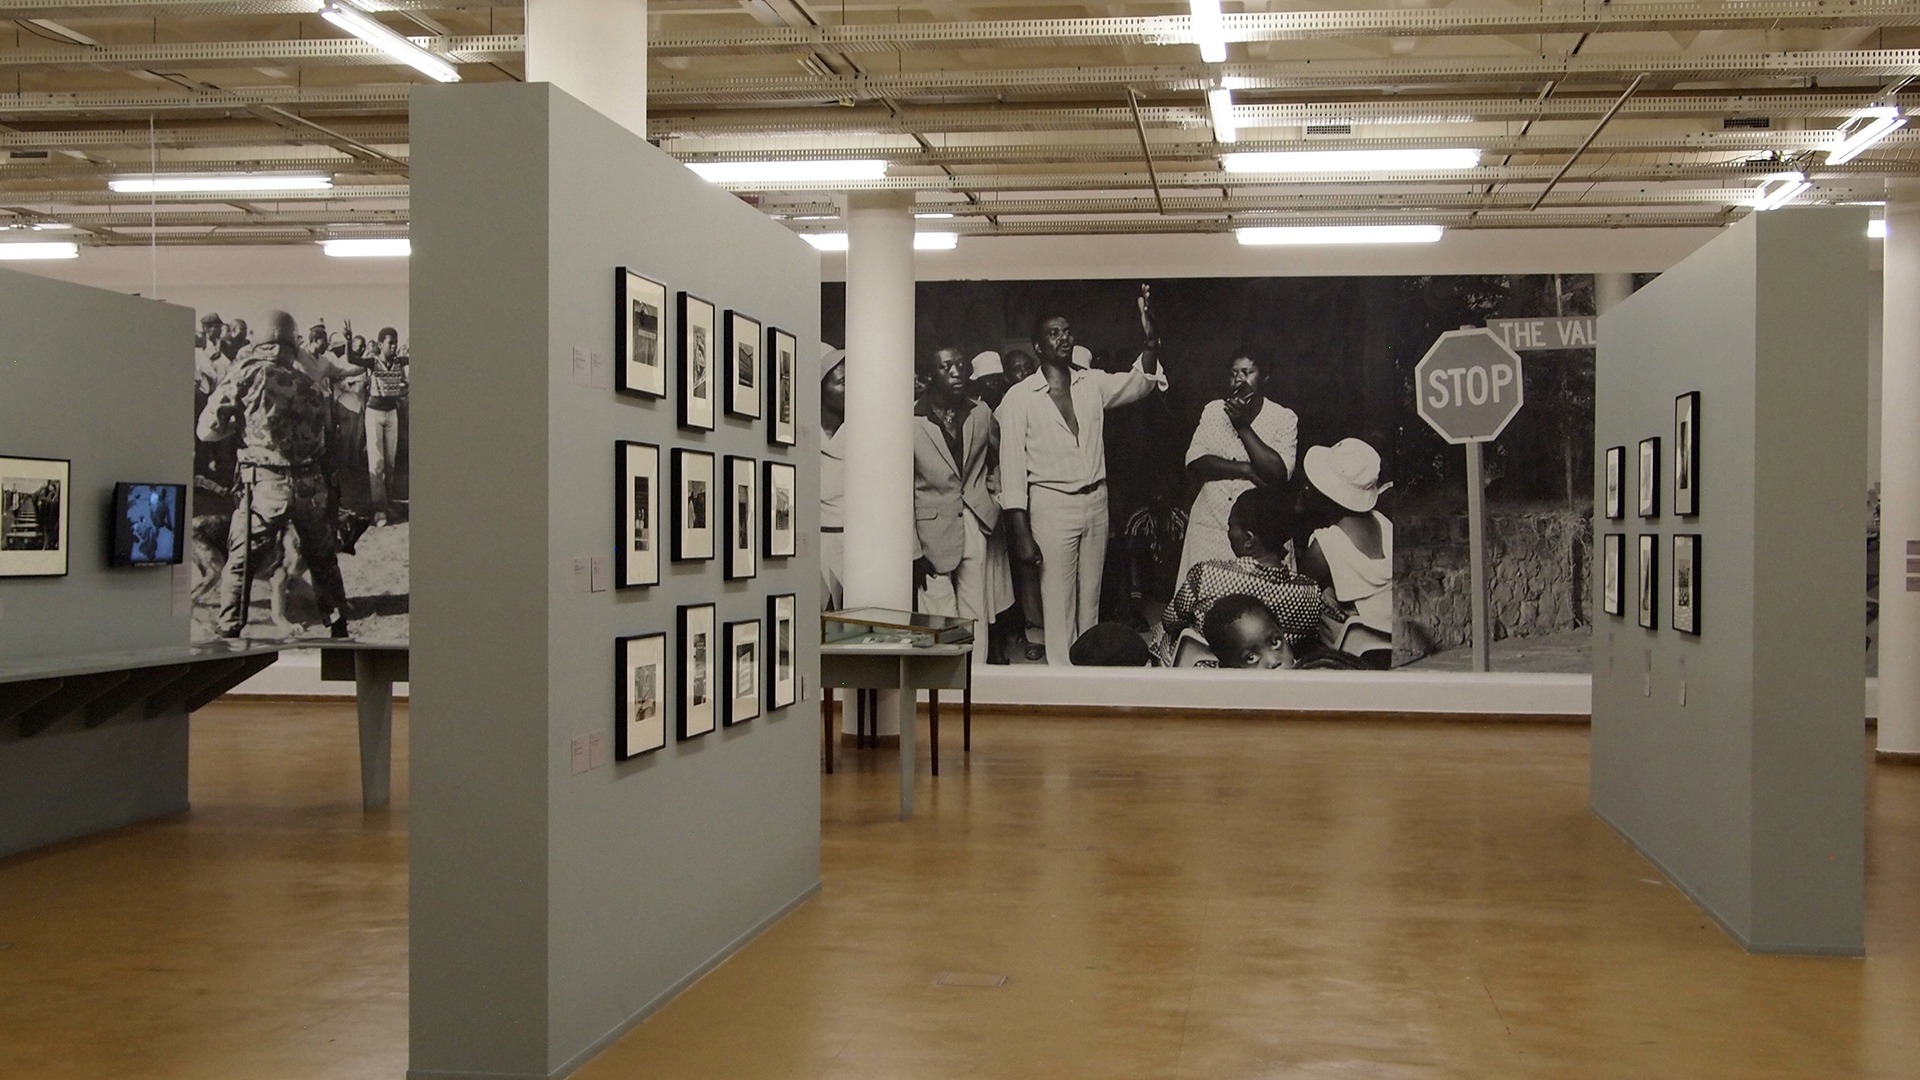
(962, 594)
(1071, 531)
(833, 548)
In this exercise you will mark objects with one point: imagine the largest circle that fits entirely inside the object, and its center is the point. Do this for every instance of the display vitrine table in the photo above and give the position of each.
(39, 693)
(880, 649)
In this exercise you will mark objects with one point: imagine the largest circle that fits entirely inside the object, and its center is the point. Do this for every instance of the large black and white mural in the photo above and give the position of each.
(300, 493)
(1231, 472)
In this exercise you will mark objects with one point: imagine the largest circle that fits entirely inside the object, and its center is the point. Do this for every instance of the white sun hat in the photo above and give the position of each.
(1348, 472)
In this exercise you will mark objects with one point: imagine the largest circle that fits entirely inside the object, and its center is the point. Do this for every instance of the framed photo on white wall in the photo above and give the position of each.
(641, 722)
(637, 499)
(642, 304)
(1686, 453)
(745, 376)
(695, 685)
(1613, 557)
(783, 395)
(36, 509)
(1649, 580)
(1686, 583)
(693, 509)
(741, 671)
(1649, 486)
(697, 342)
(1616, 482)
(741, 507)
(783, 681)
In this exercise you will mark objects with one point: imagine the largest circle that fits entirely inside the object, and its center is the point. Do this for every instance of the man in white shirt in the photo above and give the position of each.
(833, 476)
(1053, 467)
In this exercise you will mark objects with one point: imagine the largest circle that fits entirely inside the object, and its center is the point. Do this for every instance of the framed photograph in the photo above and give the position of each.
(1649, 578)
(1650, 477)
(1686, 455)
(1616, 481)
(741, 665)
(640, 719)
(36, 508)
(744, 374)
(637, 519)
(642, 304)
(781, 514)
(1686, 583)
(695, 687)
(741, 508)
(783, 680)
(1613, 557)
(692, 505)
(696, 339)
(783, 410)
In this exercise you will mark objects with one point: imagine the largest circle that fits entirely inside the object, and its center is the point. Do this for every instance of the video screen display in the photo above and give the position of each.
(146, 524)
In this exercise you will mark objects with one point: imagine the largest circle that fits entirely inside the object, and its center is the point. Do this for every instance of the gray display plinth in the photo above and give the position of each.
(550, 909)
(1733, 758)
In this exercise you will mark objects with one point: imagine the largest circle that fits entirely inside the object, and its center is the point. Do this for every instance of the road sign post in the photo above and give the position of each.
(1468, 388)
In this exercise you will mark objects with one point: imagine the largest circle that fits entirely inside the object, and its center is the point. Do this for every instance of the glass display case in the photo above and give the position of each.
(885, 627)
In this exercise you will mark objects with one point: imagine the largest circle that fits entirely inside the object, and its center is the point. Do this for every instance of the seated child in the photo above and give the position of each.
(1243, 634)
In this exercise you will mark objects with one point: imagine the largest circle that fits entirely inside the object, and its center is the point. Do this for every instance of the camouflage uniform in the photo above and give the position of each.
(282, 419)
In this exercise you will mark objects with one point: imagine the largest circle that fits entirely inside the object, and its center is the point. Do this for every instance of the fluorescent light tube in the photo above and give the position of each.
(52, 249)
(1339, 161)
(933, 216)
(389, 248)
(1220, 106)
(1877, 229)
(146, 185)
(826, 241)
(1874, 123)
(935, 241)
(1778, 190)
(371, 31)
(799, 172)
(1338, 234)
(1207, 31)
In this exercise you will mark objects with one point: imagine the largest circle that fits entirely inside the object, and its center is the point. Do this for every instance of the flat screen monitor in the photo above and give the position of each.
(147, 521)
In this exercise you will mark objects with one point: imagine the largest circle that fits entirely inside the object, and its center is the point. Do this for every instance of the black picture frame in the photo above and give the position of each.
(1614, 500)
(695, 334)
(636, 543)
(1685, 572)
(32, 489)
(1648, 570)
(780, 510)
(693, 493)
(740, 672)
(781, 654)
(640, 356)
(1647, 486)
(640, 695)
(696, 635)
(1613, 569)
(783, 396)
(745, 367)
(741, 509)
(1686, 454)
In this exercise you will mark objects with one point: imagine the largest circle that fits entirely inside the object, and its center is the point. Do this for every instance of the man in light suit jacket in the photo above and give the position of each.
(954, 440)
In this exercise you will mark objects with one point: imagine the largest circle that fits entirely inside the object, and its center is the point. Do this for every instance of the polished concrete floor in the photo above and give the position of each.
(1099, 898)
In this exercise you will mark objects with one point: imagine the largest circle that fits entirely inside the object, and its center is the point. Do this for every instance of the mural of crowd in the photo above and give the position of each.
(1224, 472)
(300, 478)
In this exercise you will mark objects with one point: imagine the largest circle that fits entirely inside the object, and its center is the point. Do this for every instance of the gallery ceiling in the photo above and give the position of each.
(1014, 116)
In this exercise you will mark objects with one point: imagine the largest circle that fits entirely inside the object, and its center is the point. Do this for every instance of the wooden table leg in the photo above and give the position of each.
(908, 722)
(933, 728)
(826, 725)
(966, 711)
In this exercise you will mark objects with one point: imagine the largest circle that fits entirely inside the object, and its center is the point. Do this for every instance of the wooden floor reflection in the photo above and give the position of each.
(1099, 898)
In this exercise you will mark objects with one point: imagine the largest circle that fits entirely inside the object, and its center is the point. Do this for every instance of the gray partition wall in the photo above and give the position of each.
(1733, 758)
(552, 909)
(99, 378)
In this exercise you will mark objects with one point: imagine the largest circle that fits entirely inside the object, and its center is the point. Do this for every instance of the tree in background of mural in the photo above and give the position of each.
(363, 379)
(1263, 374)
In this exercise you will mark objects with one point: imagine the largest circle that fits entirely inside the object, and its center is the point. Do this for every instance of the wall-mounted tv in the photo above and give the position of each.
(146, 520)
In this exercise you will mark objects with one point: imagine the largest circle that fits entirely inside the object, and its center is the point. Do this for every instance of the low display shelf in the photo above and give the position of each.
(886, 628)
(881, 649)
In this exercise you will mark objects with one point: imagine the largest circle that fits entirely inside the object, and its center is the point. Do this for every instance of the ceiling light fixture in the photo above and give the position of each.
(53, 249)
(1304, 235)
(1343, 161)
(1208, 33)
(798, 172)
(1778, 190)
(1220, 107)
(935, 241)
(370, 30)
(189, 182)
(826, 241)
(933, 216)
(1877, 229)
(368, 248)
(1864, 128)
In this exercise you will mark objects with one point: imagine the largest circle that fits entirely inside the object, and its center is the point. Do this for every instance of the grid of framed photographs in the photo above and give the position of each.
(36, 506)
(726, 506)
(1683, 568)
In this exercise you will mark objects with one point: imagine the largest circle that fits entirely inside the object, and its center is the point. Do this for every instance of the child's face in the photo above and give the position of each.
(1255, 642)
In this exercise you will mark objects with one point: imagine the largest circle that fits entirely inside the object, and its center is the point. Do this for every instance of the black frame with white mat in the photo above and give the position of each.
(641, 666)
(641, 368)
(637, 514)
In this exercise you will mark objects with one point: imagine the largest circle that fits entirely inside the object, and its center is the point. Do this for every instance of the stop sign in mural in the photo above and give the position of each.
(1468, 386)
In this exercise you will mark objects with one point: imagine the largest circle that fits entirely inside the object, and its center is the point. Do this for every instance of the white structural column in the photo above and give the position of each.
(1900, 477)
(595, 50)
(879, 424)
(1609, 290)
